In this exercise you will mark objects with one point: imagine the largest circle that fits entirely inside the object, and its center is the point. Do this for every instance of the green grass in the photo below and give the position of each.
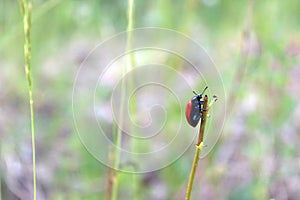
(25, 8)
(58, 30)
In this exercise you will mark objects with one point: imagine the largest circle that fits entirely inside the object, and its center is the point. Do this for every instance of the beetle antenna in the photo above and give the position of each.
(204, 89)
(195, 93)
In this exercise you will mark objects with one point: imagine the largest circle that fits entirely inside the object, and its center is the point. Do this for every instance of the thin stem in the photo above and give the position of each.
(132, 105)
(203, 121)
(25, 8)
(114, 182)
(131, 62)
(199, 146)
(110, 175)
(193, 171)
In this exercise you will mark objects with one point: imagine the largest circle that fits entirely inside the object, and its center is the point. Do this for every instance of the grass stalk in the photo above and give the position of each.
(113, 175)
(25, 8)
(199, 146)
(132, 106)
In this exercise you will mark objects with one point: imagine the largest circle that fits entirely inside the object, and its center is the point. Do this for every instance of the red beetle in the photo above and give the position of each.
(193, 111)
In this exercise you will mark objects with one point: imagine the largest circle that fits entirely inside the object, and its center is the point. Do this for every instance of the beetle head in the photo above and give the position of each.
(199, 96)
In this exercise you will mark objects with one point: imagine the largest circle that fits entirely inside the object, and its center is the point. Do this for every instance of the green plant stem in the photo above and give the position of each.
(129, 65)
(26, 12)
(193, 171)
(117, 153)
(199, 146)
(132, 106)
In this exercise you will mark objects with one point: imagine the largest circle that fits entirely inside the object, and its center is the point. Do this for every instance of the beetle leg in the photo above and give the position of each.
(199, 104)
(215, 98)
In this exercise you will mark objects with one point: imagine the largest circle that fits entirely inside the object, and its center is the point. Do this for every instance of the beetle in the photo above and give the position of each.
(193, 111)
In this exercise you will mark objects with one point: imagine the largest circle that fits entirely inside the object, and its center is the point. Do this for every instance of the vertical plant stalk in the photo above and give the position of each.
(26, 12)
(113, 180)
(132, 104)
(110, 172)
(199, 146)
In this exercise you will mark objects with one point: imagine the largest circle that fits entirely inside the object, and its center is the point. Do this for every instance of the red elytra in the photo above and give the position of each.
(188, 110)
(193, 110)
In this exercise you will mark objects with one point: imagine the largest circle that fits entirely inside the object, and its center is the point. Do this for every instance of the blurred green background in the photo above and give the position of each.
(256, 48)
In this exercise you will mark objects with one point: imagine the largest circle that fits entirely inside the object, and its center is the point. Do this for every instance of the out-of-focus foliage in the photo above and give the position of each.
(256, 47)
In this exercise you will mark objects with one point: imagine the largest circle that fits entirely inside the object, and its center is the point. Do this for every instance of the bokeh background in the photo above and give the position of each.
(255, 46)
